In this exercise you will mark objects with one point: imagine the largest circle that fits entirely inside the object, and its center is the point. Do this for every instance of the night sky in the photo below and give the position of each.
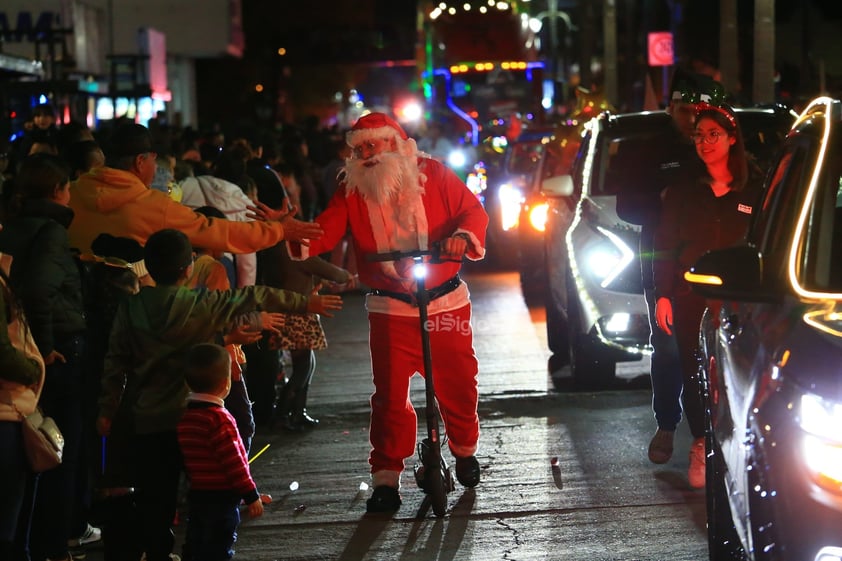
(331, 30)
(326, 40)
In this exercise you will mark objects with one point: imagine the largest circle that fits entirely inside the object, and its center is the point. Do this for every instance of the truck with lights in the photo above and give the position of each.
(481, 77)
(479, 68)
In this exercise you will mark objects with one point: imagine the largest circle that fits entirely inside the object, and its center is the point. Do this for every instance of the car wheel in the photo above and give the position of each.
(532, 288)
(588, 368)
(555, 292)
(723, 542)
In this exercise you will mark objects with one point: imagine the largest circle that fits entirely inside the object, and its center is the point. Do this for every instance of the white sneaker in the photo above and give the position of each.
(696, 471)
(90, 535)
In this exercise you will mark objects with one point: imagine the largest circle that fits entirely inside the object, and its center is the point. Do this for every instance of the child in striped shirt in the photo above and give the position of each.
(214, 458)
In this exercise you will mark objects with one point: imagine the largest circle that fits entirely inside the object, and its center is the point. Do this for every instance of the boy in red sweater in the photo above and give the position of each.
(214, 457)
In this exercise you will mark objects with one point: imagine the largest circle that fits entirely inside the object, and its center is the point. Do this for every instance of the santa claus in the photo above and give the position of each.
(392, 198)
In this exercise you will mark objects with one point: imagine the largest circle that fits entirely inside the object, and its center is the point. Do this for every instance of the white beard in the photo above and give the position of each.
(393, 174)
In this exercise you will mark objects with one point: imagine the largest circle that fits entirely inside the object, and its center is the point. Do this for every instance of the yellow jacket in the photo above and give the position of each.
(116, 202)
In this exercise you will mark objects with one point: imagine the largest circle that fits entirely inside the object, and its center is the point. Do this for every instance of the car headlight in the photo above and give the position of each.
(538, 216)
(606, 261)
(822, 442)
(510, 198)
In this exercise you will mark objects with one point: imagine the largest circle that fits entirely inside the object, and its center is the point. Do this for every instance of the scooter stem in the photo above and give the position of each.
(432, 409)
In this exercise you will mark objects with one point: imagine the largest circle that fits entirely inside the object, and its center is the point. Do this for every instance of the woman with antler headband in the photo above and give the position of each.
(709, 211)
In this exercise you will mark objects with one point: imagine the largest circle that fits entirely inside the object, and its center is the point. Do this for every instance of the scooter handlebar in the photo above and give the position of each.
(434, 253)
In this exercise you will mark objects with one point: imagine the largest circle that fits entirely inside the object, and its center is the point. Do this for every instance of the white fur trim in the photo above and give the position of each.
(381, 238)
(475, 251)
(447, 303)
(354, 137)
(462, 451)
(386, 477)
(382, 235)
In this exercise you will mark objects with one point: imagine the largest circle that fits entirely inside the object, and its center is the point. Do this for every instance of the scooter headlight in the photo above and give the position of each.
(419, 270)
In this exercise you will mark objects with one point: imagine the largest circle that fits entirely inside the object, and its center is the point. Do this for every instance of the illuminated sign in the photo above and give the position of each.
(661, 49)
(27, 27)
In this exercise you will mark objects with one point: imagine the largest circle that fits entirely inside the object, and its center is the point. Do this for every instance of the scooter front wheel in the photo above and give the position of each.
(437, 489)
(433, 476)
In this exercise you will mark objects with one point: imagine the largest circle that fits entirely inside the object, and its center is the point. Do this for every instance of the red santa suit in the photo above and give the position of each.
(441, 207)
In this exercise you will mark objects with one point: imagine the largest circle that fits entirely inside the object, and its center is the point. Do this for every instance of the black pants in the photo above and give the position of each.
(264, 367)
(687, 310)
(159, 466)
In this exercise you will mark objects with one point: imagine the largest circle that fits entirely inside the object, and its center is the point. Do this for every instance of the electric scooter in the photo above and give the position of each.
(432, 474)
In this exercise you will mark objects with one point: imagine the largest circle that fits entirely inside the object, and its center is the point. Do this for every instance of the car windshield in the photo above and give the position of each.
(625, 164)
(525, 156)
(763, 134)
(820, 252)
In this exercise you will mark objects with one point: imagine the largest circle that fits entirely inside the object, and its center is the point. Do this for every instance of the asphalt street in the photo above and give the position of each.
(564, 473)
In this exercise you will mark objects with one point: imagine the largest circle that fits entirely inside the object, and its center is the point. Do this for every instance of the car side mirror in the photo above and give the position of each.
(558, 186)
(733, 273)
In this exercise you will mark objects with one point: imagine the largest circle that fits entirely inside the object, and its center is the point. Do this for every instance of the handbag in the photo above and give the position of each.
(43, 442)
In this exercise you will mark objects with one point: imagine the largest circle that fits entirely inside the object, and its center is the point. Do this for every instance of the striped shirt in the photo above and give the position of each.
(214, 456)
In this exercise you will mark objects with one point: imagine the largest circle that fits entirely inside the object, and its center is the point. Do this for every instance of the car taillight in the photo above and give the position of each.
(538, 216)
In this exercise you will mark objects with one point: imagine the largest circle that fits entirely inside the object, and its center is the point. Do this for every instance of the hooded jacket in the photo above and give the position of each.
(153, 331)
(44, 274)
(207, 190)
(116, 202)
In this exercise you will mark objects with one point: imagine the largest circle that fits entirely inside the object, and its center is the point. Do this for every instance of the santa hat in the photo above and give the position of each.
(374, 125)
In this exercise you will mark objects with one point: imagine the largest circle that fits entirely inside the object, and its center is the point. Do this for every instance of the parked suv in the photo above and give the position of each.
(770, 360)
(596, 313)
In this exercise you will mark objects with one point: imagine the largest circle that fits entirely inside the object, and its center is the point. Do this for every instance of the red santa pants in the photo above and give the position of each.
(396, 354)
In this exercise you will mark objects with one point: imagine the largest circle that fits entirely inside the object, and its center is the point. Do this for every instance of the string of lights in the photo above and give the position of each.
(480, 7)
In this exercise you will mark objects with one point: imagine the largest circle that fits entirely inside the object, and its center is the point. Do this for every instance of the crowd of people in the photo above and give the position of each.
(152, 281)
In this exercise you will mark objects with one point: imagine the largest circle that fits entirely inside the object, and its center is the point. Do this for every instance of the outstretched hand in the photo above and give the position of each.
(294, 230)
(272, 321)
(323, 304)
(242, 335)
(663, 314)
(265, 213)
(352, 283)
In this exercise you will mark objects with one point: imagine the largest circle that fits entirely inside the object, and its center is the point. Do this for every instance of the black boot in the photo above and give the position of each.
(303, 366)
(298, 418)
(285, 406)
